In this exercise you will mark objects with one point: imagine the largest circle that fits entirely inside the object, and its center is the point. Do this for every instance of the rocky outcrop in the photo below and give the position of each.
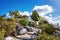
(27, 32)
(24, 33)
(24, 30)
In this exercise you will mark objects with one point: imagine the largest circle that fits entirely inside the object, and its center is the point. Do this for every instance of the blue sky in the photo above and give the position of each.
(28, 5)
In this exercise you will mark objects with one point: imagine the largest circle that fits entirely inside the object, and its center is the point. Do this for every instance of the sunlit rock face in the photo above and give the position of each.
(11, 38)
(23, 31)
(8, 38)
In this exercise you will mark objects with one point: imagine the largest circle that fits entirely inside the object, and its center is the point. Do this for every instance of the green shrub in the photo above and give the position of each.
(24, 22)
(50, 29)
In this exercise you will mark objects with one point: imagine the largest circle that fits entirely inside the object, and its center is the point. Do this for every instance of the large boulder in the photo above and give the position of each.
(23, 31)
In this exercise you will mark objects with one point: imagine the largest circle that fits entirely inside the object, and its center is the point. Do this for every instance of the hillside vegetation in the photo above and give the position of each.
(8, 25)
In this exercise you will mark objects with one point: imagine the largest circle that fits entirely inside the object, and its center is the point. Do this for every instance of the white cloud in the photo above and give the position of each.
(53, 20)
(8, 15)
(25, 13)
(22, 13)
(50, 15)
(43, 10)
